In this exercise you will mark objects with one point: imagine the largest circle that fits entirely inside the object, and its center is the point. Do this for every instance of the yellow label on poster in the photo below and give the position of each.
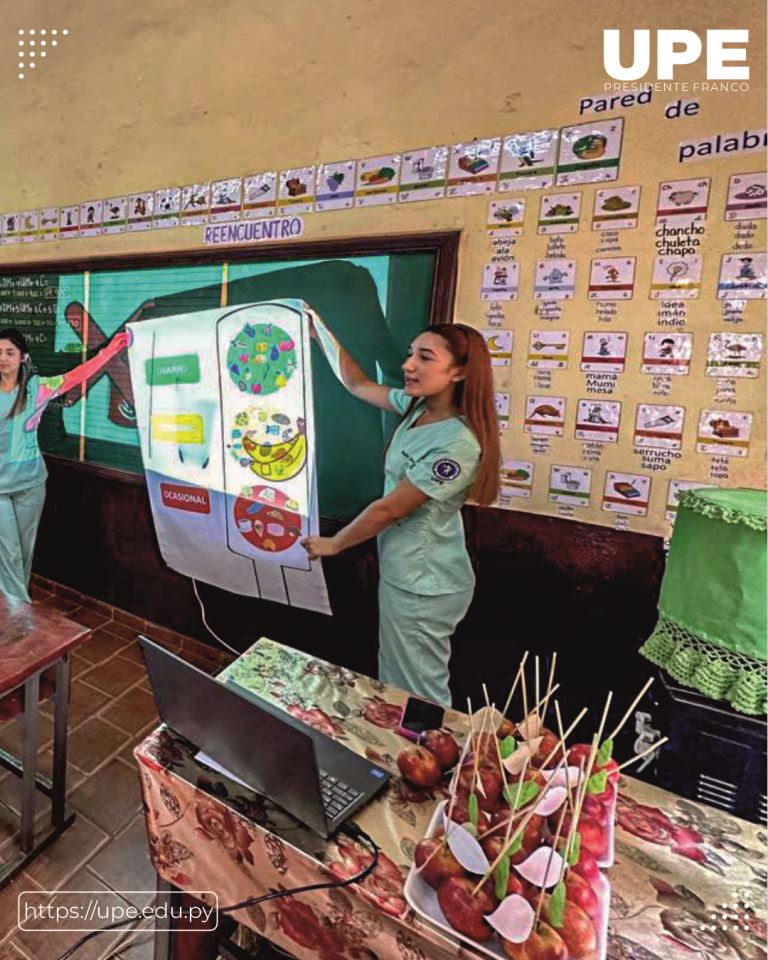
(177, 428)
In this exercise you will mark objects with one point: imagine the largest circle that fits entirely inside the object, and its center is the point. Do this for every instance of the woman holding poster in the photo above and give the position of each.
(445, 449)
(23, 398)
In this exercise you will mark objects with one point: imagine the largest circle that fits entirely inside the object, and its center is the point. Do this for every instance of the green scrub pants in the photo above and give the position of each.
(19, 519)
(415, 639)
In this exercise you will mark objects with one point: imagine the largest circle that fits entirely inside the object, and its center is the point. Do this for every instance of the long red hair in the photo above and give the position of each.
(473, 398)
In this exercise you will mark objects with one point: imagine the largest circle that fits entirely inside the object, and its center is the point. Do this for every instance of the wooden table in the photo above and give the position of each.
(677, 862)
(34, 639)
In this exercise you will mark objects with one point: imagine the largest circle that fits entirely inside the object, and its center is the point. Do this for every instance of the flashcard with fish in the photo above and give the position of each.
(589, 152)
(423, 174)
(734, 354)
(659, 426)
(555, 279)
(515, 480)
(743, 277)
(604, 352)
(545, 415)
(69, 222)
(114, 215)
(49, 223)
(335, 186)
(260, 195)
(167, 208)
(682, 203)
(626, 493)
(616, 208)
(473, 167)
(499, 343)
(612, 279)
(747, 196)
(90, 218)
(559, 213)
(674, 489)
(30, 226)
(501, 402)
(528, 160)
(226, 200)
(548, 350)
(140, 208)
(676, 278)
(12, 228)
(725, 433)
(571, 485)
(377, 180)
(296, 193)
(505, 217)
(195, 204)
(500, 281)
(667, 353)
(598, 420)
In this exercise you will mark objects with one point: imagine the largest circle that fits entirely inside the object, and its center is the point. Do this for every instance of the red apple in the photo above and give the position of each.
(506, 729)
(491, 780)
(578, 891)
(577, 931)
(464, 909)
(419, 766)
(544, 943)
(460, 813)
(441, 865)
(594, 807)
(549, 750)
(587, 869)
(444, 747)
(593, 835)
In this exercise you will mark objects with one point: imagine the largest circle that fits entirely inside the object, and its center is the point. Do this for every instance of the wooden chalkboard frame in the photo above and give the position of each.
(444, 244)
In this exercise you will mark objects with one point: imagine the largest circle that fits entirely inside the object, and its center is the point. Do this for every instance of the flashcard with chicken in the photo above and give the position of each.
(555, 279)
(616, 208)
(683, 203)
(515, 480)
(545, 415)
(505, 217)
(335, 186)
(676, 277)
(743, 276)
(473, 167)
(195, 204)
(604, 352)
(501, 281)
(548, 350)
(598, 421)
(667, 353)
(627, 493)
(377, 180)
(725, 433)
(734, 354)
(612, 279)
(114, 215)
(528, 160)
(747, 196)
(570, 485)
(423, 174)
(590, 152)
(260, 195)
(659, 426)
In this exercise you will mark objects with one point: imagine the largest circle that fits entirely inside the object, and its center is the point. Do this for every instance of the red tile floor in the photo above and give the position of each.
(111, 711)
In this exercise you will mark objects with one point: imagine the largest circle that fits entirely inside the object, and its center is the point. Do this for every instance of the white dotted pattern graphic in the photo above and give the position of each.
(27, 44)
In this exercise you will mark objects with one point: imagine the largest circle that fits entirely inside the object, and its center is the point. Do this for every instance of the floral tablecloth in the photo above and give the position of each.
(679, 865)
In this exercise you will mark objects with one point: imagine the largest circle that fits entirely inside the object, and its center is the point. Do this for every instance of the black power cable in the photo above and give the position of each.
(351, 829)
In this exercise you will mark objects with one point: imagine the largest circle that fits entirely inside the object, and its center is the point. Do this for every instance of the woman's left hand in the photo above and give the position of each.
(317, 547)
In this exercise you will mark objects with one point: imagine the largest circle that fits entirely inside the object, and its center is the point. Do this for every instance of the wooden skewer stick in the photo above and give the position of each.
(514, 683)
(566, 734)
(476, 782)
(565, 753)
(644, 753)
(574, 819)
(544, 886)
(536, 686)
(632, 706)
(550, 688)
(525, 695)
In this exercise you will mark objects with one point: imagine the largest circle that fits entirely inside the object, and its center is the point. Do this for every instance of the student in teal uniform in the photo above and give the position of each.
(23, 398)
(445, 450)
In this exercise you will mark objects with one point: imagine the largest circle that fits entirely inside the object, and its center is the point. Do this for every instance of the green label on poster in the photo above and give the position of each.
(162, 371)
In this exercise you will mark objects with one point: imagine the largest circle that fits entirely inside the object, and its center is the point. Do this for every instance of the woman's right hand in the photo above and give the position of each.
(312, 315)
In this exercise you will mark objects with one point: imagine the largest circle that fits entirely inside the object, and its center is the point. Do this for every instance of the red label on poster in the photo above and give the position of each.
(193, 499)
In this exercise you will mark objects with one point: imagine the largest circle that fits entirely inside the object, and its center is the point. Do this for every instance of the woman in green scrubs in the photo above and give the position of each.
(445, 450)
(23, 398)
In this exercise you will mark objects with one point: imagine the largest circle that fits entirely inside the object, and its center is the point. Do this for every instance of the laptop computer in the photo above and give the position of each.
(318, 781)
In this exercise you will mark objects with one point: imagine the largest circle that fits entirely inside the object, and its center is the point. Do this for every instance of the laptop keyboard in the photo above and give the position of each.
(336, 794)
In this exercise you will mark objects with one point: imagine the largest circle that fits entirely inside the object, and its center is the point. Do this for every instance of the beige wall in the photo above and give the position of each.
(152, 93)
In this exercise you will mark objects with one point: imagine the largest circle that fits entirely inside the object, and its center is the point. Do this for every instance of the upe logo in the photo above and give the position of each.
(676, 48)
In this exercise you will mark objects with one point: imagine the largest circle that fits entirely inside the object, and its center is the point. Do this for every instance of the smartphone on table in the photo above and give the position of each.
(418, 717)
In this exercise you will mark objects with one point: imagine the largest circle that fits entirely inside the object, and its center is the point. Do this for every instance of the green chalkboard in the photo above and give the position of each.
(376, 304)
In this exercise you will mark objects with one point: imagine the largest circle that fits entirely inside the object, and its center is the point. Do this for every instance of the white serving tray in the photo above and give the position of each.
(423, 899)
